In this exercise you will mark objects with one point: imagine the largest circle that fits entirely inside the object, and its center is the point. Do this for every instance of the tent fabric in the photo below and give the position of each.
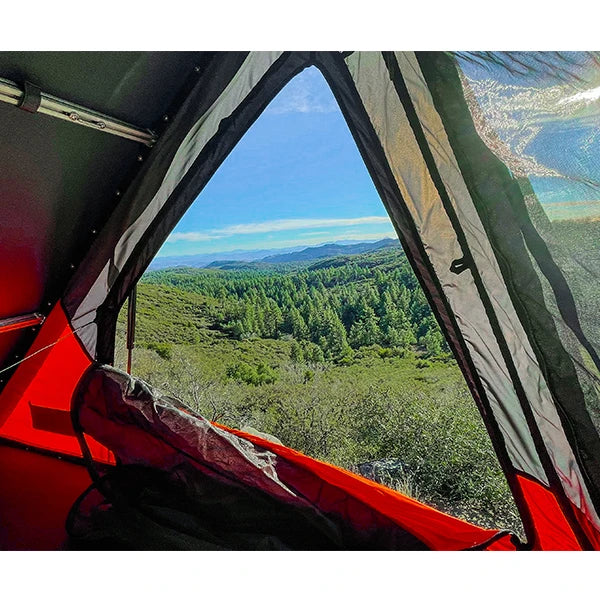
(289, 492)
(58, 180)
(548, 518)
(444, 139)
(27, 478)
(556, 402)
(47, 382)
(562, 310)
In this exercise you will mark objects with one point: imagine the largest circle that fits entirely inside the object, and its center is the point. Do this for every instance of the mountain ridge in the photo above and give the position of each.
(270, 256)
(329, 250)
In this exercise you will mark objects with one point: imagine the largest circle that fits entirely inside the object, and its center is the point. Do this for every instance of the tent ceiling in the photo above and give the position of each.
(58, 181)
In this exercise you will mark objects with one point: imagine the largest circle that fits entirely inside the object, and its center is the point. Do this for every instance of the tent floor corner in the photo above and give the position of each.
(37, 494)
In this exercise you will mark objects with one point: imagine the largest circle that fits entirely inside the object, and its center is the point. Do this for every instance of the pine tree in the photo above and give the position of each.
(313, 353)
(296, 353)
(366, 331)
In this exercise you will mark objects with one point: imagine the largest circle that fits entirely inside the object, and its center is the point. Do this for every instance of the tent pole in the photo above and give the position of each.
(32, 99)
(131, 327)
(21, 322)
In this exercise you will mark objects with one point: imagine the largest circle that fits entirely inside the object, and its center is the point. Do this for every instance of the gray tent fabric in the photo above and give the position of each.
(535, 391)
(554, 404)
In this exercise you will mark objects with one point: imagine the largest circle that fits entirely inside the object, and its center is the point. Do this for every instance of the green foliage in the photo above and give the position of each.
(308, 376)
(163, 350)
(365, 331)
(259, 375)
(313, 353)
(296, 353)
(340, 303)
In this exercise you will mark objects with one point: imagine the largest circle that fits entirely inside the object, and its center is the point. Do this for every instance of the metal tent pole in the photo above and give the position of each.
(32, 99)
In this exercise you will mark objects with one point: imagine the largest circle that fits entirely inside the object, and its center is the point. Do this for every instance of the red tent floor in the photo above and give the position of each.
(36, 495)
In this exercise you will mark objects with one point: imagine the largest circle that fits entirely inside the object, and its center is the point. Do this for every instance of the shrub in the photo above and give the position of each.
(162, 349)
(245, 373)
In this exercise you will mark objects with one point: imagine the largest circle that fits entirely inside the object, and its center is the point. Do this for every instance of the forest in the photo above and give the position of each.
(330, 308)
(340, 358)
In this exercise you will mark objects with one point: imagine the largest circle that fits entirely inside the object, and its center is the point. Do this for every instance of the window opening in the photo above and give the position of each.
(282, 304)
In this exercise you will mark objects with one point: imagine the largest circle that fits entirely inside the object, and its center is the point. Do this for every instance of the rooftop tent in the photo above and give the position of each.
(102, 153)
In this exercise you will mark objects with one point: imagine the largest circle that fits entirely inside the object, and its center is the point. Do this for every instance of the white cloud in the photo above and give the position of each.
(306, 93)
(309, 234)
(272, 226)
(292, 224)
(377, 235)
(192, 236)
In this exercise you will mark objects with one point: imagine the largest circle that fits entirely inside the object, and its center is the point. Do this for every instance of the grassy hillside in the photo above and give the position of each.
(397, 409)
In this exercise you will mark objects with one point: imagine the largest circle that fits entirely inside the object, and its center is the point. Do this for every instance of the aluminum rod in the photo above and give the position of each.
(20, 322)
(11, 93)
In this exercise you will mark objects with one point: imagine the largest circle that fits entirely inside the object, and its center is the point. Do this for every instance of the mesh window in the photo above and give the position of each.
(539, 113)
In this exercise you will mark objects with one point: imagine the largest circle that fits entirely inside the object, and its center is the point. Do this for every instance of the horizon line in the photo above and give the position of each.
(293, 247)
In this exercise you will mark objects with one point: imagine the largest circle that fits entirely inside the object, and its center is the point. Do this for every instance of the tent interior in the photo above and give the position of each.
(487, 164)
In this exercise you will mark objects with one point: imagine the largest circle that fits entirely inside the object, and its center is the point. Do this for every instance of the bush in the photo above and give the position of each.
(163, 350)
(245, 373)
(308, 376)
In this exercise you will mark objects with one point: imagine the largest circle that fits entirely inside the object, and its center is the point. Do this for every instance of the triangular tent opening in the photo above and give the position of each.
(239, 320)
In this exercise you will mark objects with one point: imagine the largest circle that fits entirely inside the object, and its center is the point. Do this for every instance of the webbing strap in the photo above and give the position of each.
(32, 97)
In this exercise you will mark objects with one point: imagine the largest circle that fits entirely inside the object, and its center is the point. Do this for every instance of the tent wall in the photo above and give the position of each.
(552, 396)
(450, 200)
(37, 494)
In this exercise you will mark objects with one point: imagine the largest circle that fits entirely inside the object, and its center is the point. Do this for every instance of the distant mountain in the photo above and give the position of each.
(203, 260)
(252, 256)
(237, 265)
(328, 250)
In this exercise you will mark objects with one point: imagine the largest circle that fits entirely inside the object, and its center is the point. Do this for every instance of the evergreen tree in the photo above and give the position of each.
(298, 327)
(366, 331)
(313, 353)
(433, 342)
(296, 353)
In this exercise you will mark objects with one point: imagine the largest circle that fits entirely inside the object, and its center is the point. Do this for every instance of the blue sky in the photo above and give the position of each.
(296, 178)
